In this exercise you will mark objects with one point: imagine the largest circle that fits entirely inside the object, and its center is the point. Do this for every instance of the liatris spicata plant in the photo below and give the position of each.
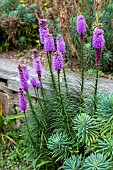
(49, 43)
(98, 43)
(81, 26)
(22, 100)
(81, 29)
(61, 47)
(58, 62)
(22, 77)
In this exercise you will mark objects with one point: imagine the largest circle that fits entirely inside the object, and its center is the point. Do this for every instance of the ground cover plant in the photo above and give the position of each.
(63, 130)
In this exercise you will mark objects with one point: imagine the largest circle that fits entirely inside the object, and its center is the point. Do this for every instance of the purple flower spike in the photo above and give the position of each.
(98, 43)
(42, 32)
(22, 76)
(37, 65)
(58, 61)
(25, 71)
(22, 100)
(81, 26)
(60, 44)
(49, 43)
(35, 83)
(98, 38)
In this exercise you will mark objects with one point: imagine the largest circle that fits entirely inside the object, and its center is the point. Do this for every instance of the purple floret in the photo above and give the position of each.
(58, 61)
(61, 47)
(81, 26)
(49, 43)
(22, 100)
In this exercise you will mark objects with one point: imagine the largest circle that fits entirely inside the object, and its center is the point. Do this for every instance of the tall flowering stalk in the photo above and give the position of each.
(23, 107)
(58, 64)
(61, 47)
(98, 44)
(49, 48)
(81, 29)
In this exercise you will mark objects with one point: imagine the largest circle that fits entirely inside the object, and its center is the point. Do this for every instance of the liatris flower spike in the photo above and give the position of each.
(25, 70)
(81, 26)
(37, 65)
(42, 33)
(58, 61)
(98, 43)
(49, 43)
(22, 100)
(22, 77)
(35, 83)
(61, 47)
(43, 29)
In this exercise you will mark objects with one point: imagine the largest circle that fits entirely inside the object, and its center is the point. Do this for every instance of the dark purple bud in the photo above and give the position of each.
(42, 32)
(42, 22)
(35, 83)
(37, 65)
(22, 77)
(49, 43)
(22, 100)
(98, 38)
(58, 61)
(81, 26)
(60, 44)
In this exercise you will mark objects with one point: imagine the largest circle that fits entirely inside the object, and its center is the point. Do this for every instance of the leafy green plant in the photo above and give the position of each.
(60, 145)
(96, 162)
(73, 163)
(105, 146)
(85, 128)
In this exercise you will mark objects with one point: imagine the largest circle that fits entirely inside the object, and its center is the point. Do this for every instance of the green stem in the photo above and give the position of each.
(31, 106)
(82, 75)
(37, 98)
(29, 130)
(42, 89)
(96, 87)
(50, 67)
(65, 79)
(63, 110)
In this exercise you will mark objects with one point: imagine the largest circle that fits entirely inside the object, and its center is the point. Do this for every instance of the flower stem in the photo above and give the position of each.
(96, 87)
(64, 114)
(29, 131)
(50, 67)
(82, 75)
(65, 79)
